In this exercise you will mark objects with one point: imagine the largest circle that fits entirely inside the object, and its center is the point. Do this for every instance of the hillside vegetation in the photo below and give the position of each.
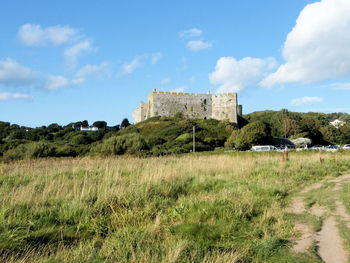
(164, 135)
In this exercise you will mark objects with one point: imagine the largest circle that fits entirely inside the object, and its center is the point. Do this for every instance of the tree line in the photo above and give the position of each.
(169, 135)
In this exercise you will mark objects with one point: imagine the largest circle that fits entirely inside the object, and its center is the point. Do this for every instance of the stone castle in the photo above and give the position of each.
(193, 106)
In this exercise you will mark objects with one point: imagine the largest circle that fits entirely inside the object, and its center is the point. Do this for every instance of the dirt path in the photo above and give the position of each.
(330, 246)
(303, 243)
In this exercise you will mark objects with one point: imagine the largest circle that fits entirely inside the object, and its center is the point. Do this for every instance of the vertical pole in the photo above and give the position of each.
(194, 138)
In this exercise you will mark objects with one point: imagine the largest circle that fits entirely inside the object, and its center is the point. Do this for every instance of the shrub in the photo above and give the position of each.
(185, 138)
(30, 150)
(254, 133)
(115, 145)
(179, 116)
(15, 154)
(39, 149)
(81, 138)
(66, 150)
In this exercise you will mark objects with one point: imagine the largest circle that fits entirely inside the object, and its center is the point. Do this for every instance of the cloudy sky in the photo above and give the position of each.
(64, 61)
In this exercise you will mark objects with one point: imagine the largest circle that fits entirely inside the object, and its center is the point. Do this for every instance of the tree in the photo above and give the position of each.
(54, 127)
(85, 123)
(114, 128)
(345, 134)
(290, 127)
(254, 133)
(330, 134)
(100, 124)
(17, 134)
(125, 123)
(80, 138)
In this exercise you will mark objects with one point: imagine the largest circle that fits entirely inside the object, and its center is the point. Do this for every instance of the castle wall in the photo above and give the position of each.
(190, 105)
(140, 114)
(200, 106)
(224, 107)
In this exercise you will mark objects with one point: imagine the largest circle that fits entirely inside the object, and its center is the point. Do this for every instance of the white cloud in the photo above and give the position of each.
(91, 69)
(165, 81)
(56, 82)
(190, 33)
(14, 74)
(78, 81)
(341, 86)
(179, 89)
(22, 96)
(318, 47)
(130, 67)
(15, 96)
(72, 53)
(156, 57)
(305, 101)
(327, 110)
(5, 96)
(197, 45)
(234, 75)
(35, 35)
(88, 70)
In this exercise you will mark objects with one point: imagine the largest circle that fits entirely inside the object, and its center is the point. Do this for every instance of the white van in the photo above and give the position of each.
(263, 148)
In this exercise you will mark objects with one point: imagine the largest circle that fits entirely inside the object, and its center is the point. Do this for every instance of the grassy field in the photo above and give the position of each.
(192, 208)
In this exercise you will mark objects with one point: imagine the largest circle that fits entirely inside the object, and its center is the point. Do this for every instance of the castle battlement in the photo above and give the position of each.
(191, 105)
(191, 94)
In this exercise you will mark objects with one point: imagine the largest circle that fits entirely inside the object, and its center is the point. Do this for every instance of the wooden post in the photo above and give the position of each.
(194, 139)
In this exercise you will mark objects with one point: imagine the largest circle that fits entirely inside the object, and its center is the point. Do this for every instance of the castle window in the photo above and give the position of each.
(205, 118)
(205, 109)
(185, 107)
(205, 101)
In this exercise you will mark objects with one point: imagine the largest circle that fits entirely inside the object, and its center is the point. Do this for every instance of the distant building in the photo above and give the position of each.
(90, 128)
(81, 128)
(193, 106)
(337, 123)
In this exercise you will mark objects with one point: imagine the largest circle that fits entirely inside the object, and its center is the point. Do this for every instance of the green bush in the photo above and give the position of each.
(254, 133)
(15, 154)
(30, 150)
(39, 149)
(116, 145)
(81, 138)
(184, 138)
(66, 150)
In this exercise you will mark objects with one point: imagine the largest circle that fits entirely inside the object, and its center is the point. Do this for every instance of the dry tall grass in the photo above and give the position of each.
(198, 208)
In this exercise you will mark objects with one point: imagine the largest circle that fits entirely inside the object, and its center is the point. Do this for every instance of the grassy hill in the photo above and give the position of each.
(174, 135)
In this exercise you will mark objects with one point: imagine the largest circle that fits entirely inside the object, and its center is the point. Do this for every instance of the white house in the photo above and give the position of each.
(91, 128)
(337, 123)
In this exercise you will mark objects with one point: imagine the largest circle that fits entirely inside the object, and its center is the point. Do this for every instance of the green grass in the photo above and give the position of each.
(344, 226)
(188, 208)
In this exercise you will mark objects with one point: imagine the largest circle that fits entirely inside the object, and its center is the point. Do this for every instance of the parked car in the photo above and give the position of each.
(346, 147)
(263, 148)
(287, 147)
(317, 147)
(332, 148)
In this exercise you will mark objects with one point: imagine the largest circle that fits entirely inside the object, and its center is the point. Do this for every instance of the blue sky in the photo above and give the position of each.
(64, 61)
